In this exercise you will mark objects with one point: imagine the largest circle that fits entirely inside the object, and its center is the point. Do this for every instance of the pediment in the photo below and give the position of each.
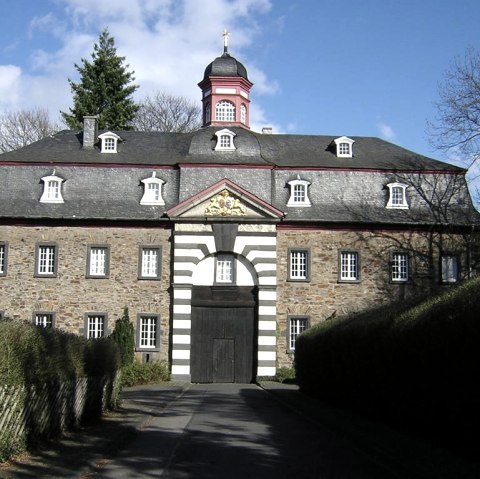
(225, 200)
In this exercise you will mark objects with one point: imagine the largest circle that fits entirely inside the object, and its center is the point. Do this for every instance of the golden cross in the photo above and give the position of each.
(225, 34)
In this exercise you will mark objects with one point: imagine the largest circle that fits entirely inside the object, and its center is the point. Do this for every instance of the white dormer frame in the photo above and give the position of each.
(397, 196)
(52, 189)
(152, 194)
(344, 147)
(108, 142)
(299, 193)
(225, 140)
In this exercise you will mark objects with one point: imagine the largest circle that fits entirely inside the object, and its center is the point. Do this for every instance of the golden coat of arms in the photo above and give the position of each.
(225, 205)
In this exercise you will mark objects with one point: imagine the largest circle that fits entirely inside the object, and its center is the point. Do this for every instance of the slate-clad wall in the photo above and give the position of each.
(70, 294)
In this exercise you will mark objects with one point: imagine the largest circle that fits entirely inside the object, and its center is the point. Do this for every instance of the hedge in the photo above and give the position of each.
(52, 367)
(414, 365)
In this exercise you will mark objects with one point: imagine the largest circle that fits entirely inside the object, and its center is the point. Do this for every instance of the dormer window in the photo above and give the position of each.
(344, 147)
(397, 198)
(109, 142)
(52, 189)
(225, 140)
(299, 193)
(153, 191)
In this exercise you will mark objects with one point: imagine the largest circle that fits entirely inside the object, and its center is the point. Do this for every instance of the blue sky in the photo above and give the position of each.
(339, 67)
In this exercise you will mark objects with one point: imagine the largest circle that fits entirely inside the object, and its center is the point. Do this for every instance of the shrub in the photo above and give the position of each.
(124, 336)
(144, 373)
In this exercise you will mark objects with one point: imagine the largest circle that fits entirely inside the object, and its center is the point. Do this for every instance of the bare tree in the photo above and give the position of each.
(19, 128)
(168, 113)
(457, 123)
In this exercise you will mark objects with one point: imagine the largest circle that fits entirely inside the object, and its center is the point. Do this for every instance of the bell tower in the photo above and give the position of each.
(226, 91)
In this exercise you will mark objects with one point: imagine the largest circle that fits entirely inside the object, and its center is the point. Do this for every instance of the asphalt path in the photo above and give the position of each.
(239, 431)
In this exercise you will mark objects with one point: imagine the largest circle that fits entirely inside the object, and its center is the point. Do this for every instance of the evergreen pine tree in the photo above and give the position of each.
(105, 89)
(124, 336)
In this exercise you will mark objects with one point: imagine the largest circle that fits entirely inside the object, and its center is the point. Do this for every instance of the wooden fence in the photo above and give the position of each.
(30, 414)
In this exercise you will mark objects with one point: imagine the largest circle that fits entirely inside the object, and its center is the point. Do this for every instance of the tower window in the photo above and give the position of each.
(225, 111)
(208, 113)
(243, 114)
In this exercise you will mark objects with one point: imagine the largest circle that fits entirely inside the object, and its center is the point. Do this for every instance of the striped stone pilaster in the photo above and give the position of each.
(181, 330)
(261, 251)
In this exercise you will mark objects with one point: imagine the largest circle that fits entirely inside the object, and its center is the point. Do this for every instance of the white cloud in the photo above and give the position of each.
(9, 85)
(386, 131)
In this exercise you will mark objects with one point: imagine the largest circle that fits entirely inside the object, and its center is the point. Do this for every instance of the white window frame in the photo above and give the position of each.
(44, 319)
(221, 144)
(98, 261)
(3, 258)
(243, 114)
(349, 266)
(148, 332)
(397, 196)
(96, 325)
(449, 268)
(225, 268)
(52, 189)
(344, 147)
(299, 193)
(296, 326)
(46, 259)
(153, 191)
(400, 267)
(109, 142)
(225, 111)
(299, 264)
(149, 262)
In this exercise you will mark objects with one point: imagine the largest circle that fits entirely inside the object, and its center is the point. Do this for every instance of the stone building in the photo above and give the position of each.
(223, 243)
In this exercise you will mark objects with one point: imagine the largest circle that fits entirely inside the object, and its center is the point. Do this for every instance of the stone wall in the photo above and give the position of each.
(324, 295)
(70, 294)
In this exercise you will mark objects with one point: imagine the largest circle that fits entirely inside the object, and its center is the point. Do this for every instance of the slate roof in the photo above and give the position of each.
(283, 151)
(101, 186)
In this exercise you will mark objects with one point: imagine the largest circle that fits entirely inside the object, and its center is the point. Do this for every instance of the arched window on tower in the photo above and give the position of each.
(243, 114)
(208, 113)
(225, 111)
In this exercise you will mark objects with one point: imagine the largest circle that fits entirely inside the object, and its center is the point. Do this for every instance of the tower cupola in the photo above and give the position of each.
(226, 91)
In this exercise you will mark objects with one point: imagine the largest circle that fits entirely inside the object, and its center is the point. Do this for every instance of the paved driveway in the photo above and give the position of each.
(237, 431)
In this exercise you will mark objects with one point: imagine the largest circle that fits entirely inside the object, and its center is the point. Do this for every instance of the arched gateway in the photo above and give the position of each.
(224, 288)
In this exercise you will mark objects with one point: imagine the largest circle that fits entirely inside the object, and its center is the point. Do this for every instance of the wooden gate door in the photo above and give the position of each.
(222, 343)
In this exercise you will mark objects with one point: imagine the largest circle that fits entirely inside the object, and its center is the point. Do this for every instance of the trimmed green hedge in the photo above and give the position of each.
(409, 364)
(135, 374)
(35, 359)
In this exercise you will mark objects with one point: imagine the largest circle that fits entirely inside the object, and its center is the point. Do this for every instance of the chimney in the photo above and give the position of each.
(90, 131)
(267, 130)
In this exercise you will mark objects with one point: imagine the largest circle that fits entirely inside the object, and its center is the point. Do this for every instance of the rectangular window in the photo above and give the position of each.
(299, 265)
(149, 262)
(296, 325)
(46, 260)
(3, 258)
(349, 266)
(44, 319)
(98, 261)
(154, 191)
(224, 267)
(148, 331)
(95, 325)
(449, 265)
(400, 268)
